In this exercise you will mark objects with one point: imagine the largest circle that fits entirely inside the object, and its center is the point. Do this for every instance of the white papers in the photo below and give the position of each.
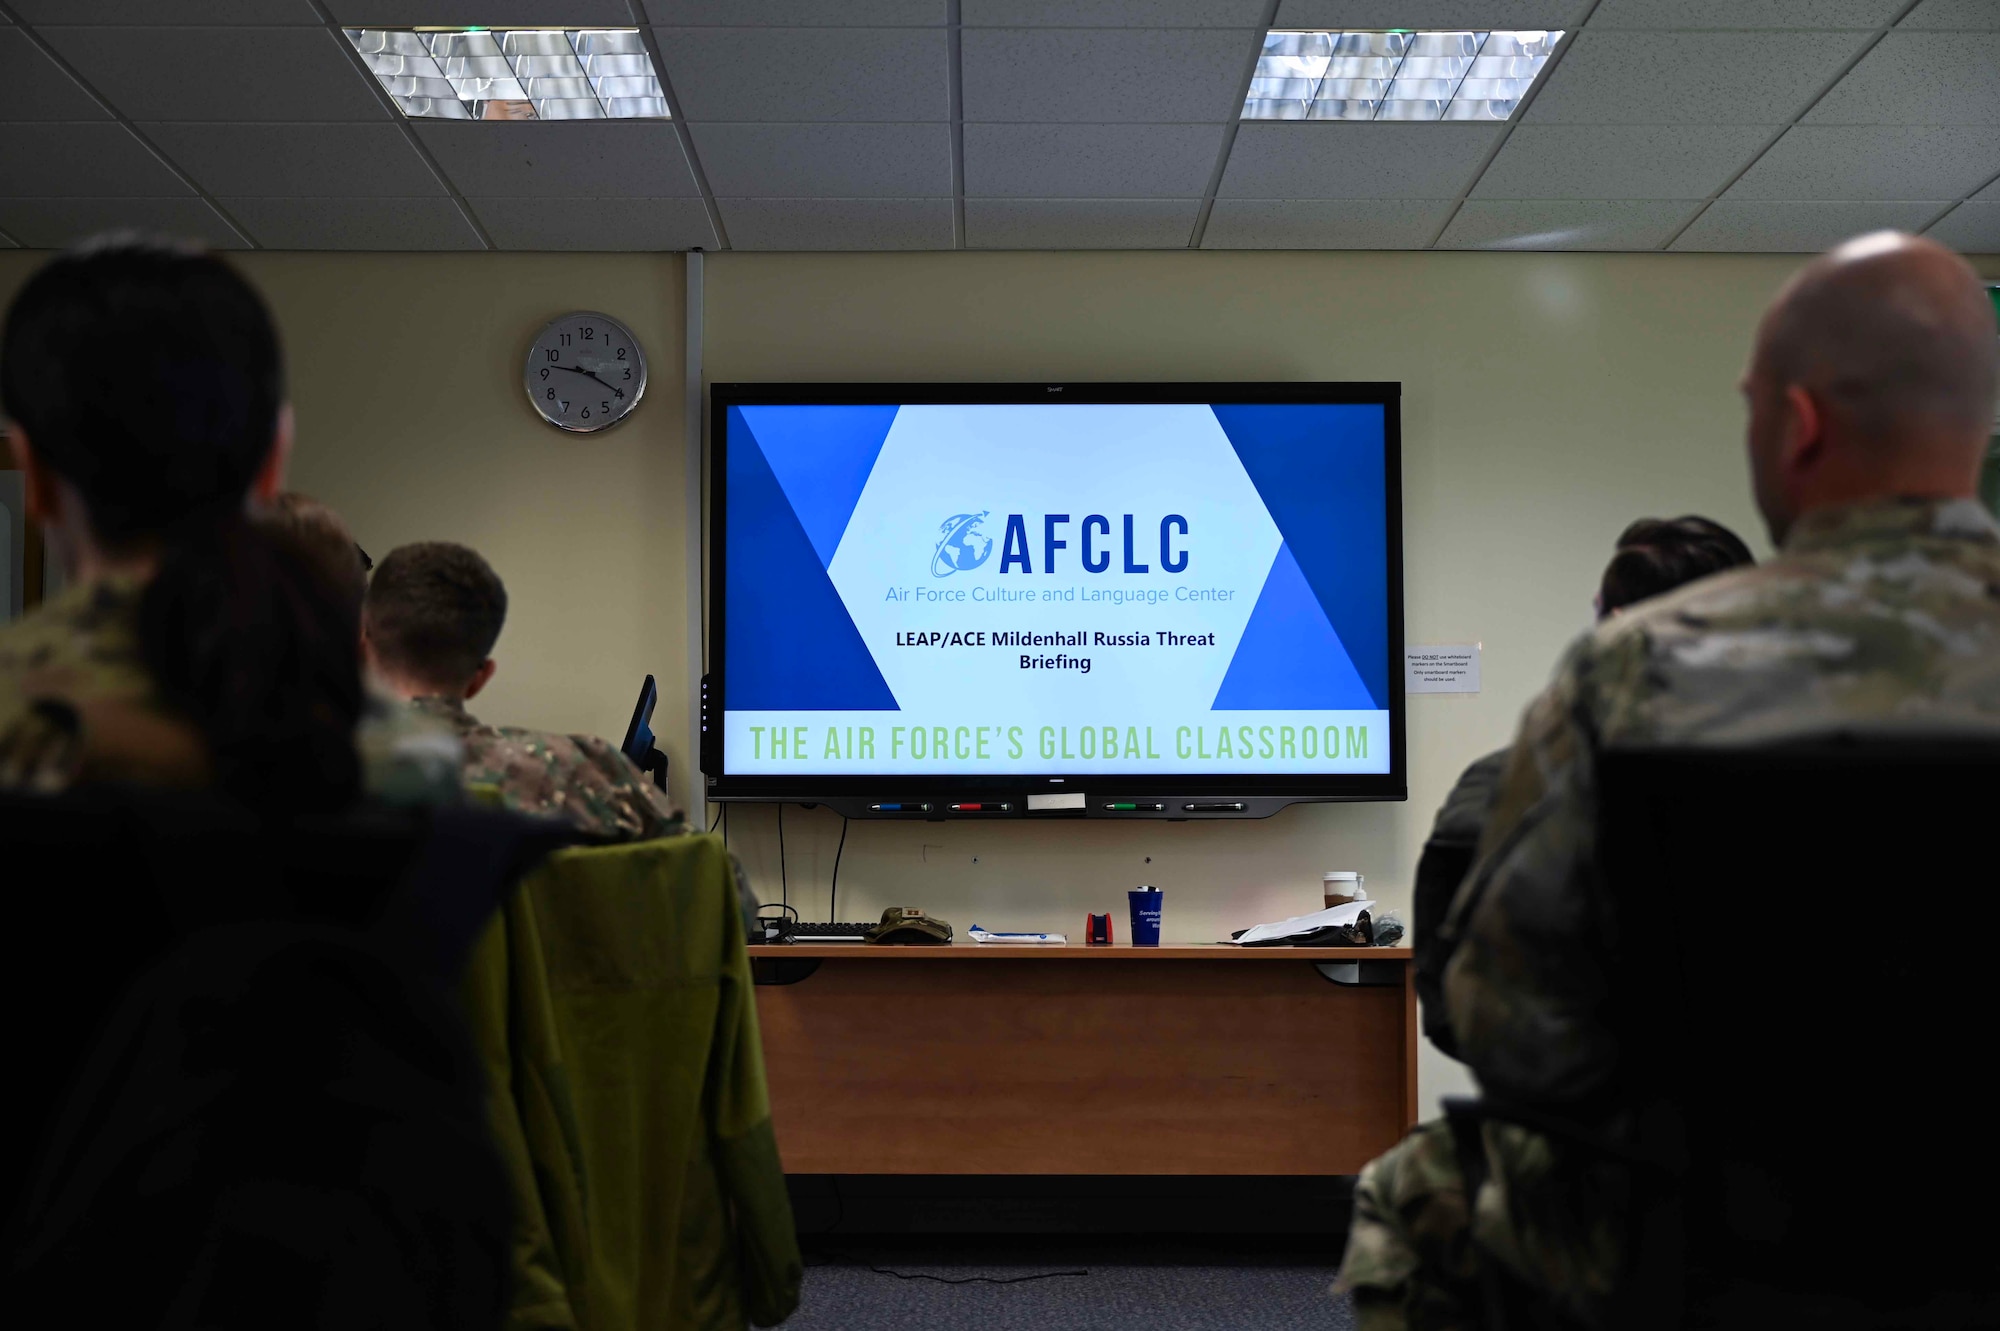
(979, 935)
(1453, 669)
(1300, 925)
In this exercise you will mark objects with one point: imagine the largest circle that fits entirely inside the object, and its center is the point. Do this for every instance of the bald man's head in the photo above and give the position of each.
(1874, 375)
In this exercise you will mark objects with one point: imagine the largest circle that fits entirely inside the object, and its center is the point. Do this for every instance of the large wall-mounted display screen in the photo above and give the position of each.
(1012, 588)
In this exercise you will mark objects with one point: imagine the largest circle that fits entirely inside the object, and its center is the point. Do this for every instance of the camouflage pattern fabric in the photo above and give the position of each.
(1879, 618)
(578, 777)
(76, 701)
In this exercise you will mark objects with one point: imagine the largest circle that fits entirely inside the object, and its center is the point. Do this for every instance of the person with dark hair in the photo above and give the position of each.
(434, 611)
(145, 394)
(1655, 555)
(1652, 556)
(323, 536)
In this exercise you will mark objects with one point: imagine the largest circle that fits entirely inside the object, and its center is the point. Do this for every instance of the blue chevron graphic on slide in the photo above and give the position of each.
(1289, 656)
(788, 639)
(1318, 467)
(821, 457)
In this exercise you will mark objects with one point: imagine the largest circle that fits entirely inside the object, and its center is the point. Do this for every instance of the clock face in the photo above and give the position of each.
(585, 372)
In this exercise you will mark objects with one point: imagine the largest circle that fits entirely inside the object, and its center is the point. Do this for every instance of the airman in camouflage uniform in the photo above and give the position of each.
(1871, 395)
(576, 777)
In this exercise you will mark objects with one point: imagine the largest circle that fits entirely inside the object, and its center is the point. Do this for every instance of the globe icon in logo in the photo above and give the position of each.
(963, 545)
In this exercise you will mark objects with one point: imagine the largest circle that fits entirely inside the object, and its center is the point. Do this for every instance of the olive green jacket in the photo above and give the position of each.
(612, 1003)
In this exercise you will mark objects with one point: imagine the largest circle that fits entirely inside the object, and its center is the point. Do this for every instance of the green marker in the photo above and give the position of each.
(1133, 808)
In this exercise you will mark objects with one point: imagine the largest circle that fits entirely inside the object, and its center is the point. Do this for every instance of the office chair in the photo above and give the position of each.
(1800, 982)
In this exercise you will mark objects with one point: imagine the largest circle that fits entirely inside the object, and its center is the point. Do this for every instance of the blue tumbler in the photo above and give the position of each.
(1145, 916)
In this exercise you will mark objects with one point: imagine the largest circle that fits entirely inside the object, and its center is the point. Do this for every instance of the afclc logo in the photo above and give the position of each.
(963, 546)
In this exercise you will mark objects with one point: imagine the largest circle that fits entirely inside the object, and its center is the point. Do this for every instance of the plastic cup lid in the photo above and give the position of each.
(1344, 876)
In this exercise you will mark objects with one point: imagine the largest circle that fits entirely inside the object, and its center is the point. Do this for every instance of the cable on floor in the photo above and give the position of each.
(848, 1260)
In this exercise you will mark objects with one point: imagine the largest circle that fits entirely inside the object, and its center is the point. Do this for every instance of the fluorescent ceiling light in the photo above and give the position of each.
(1458, 74)
(514, 73)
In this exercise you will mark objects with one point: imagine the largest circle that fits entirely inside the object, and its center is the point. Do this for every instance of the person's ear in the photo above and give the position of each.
(43, 492)
(480, 678)
(1802, 443)
(270, 478)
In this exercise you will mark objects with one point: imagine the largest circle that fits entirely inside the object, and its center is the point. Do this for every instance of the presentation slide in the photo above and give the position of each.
(968, 590)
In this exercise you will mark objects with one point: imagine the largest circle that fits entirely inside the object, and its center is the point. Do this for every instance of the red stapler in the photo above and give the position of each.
(1097, 930)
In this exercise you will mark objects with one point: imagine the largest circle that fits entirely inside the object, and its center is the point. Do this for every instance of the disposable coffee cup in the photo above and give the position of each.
(1343, 886)
(1145, 916)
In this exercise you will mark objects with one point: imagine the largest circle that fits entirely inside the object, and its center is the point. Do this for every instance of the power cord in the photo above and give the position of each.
(784, 887)
(833, 893)
(720, 809)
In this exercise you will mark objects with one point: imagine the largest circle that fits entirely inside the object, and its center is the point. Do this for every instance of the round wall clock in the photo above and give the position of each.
(585, 372)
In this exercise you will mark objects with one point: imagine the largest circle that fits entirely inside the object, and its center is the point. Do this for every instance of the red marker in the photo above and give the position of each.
(980, 808)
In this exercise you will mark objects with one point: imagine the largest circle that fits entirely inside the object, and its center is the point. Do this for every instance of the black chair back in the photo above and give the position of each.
(1802, 985)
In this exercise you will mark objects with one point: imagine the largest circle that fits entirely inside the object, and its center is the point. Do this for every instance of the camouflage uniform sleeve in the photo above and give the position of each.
(1526, 982)
(626, 797)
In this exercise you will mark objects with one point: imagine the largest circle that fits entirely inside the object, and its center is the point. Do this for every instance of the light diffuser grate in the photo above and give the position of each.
(1395, 75)
(514, 73)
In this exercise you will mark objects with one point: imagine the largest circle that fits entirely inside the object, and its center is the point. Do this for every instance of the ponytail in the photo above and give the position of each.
(244, 635)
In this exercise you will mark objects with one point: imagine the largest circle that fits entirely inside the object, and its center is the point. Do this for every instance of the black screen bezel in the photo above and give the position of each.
(1390, 785)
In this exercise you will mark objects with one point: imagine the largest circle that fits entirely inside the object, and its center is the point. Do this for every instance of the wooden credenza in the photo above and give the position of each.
(997, 1059)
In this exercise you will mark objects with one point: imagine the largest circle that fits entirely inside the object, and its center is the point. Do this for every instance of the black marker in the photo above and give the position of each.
(1214, 808)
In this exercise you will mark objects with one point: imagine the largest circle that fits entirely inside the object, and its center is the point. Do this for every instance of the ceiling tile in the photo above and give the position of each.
(1320, 160)
(50, 224)
(1566, 224)
(1079, 224)
(825, 161)
(361, 161)
(1090, 161)
(1690, 78)
(1873, 162)
(1111, 13)
(1919, 78)
(1971, 14)
(34, 87)
(6, 241)
(585, 159)
(481, 13)
(792, 74)
(1970, 228)
(1324, 224)
(355, 224)
(232, 13)
(1620, 161)
(1156, 75)
(837, 224)
(595, 224)
(1990, 194)
(1766, 226)
(103, 160)
(272, 73)
(1743, 14)
(1431, 13)
(798, 13)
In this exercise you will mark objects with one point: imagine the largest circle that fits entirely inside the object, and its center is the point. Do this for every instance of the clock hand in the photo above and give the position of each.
(585, 373)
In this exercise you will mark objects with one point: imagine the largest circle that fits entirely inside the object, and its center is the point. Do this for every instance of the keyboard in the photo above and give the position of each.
(806, 932)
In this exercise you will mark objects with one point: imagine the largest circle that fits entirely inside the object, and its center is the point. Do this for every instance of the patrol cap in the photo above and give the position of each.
(907, 924)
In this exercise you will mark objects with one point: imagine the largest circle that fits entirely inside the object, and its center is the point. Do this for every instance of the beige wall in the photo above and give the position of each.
(1548, 399)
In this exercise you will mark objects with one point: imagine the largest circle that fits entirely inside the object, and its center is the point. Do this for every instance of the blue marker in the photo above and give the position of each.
(900, 808)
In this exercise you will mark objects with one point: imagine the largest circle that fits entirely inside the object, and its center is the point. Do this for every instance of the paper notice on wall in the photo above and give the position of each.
(1451, 669)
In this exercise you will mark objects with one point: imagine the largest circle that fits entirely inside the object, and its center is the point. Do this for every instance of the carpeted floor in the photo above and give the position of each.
(1140, 1288)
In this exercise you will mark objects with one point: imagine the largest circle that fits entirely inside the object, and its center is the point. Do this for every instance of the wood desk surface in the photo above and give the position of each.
(1072, 951)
